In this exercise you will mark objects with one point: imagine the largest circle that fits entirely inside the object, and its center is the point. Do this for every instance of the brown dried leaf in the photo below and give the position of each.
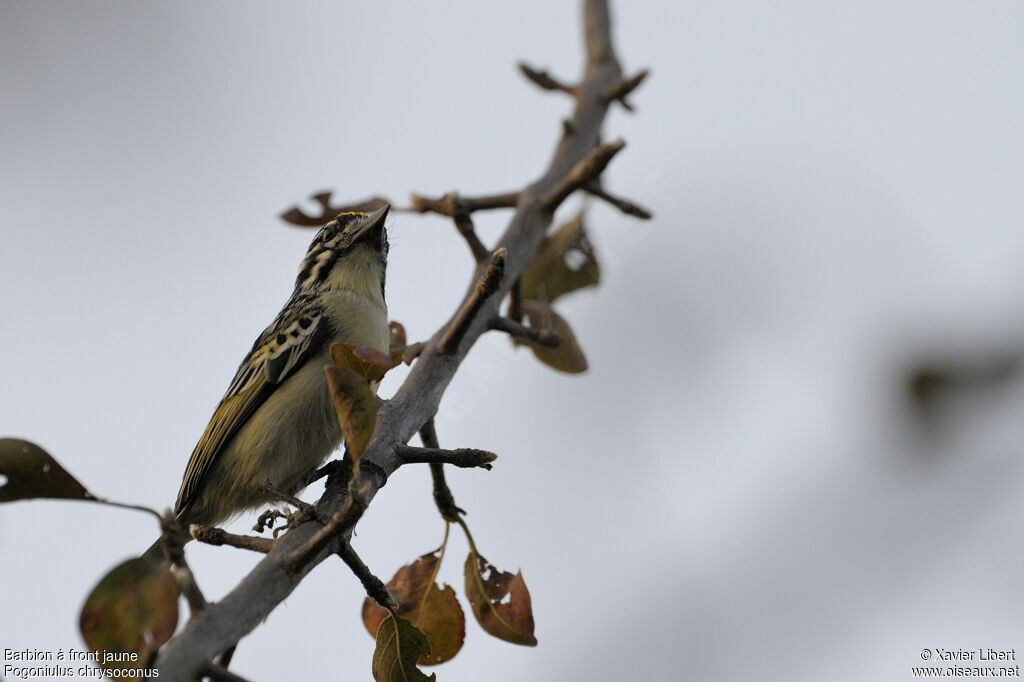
(355, 405)
(565, 262)
(397, 333)
(433, 609)
(368, 363)
(567, 356)
(28, 472)
(501, 601)
(133, 609)
(399, 646)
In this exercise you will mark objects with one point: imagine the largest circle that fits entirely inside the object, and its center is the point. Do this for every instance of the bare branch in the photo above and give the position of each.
(486, 286)
(516, 330)
(464, 458)
(583, 173)
(621, 89)
(624, 205)
(464, 224)
(374, 586)
(452, 203)
(515, 302)
(412, 351)
(443, 497)
(187, 583)
(218, 536)
(296, 216)
(545, 81)
(340, 523)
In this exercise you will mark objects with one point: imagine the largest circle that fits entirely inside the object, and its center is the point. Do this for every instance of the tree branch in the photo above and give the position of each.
(583, 173)
(218, 536)
(451, 203)
(545, 81)
(443, 497)
(464, 458)
(485, 287)
(223, 623)
(464, 224)
(624, 205)
(621, 90)
(545, 337)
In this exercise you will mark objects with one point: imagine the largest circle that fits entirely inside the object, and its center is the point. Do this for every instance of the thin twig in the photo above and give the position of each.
(545, 81)
(485, 288)
(412, 351)
(544, 337)
(374, 586)
(172, 542)
(464, 224)
(187, 583)
(583, 173)
(621, 89)
(464, 458)
(443, 497)
(218, 536)
(452, 203)
(342, 522)
(624, 205)
(515, 302)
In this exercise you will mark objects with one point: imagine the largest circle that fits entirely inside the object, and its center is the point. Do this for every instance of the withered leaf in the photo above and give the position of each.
(355, 405)
(567, 356)
(433, 609)
(368, 363)
(500, 600)
(565, 262)
(134, 608)
(397, 334)
(28, 472)
(399, 646)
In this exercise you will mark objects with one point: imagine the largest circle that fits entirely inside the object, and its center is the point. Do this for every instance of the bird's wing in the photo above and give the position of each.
(279, 351)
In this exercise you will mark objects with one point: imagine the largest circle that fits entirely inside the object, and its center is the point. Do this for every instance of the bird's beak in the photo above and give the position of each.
(373, 223)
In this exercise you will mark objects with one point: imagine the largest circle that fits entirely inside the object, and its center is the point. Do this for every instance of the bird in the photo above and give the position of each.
(276, 422)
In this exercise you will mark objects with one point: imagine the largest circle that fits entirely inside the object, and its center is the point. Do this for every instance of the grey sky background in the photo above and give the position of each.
(736, 490)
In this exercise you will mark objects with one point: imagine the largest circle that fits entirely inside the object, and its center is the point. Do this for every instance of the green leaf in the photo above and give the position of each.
(565, 262)
(355, 405)
(399, 646)
(567, 356)
(369, 363)
(28, 472)
(433, 609)
(133, 609)
(500, 600)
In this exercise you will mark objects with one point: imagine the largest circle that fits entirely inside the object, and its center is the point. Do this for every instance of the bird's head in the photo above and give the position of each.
(350, 252)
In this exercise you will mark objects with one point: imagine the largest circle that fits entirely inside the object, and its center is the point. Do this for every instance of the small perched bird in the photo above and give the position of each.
(277, 421)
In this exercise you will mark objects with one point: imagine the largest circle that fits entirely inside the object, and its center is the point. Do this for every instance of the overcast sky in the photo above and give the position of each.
(735, 490)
